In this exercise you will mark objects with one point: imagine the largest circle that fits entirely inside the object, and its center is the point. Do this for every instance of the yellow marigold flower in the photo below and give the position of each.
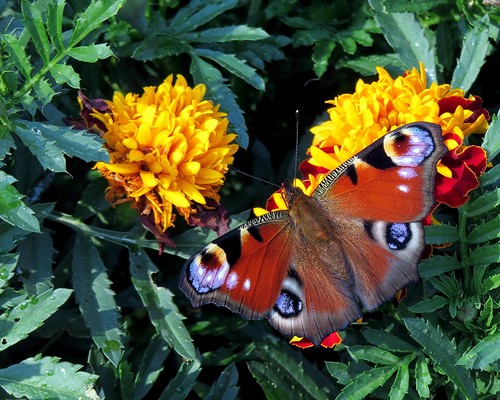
(374, 109)
(168, 147)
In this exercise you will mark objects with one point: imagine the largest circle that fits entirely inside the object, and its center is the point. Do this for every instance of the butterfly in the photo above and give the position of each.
(353, 243)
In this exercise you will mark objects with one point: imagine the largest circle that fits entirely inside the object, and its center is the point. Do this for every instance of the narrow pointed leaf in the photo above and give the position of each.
(91, 53)
(33, 22)
(401, 384)
(484, 204)
(65, 74)
(162, 310)
(442, 351)
(373, 354)
(430, 305)
(197, 13)
(387, 341)
(224, 388)
(96, 299)
(423, 377)
(8, 262)
(29, 315)
(179, 387)
(437, 265)
(17, 55)
(225, 34)
(485, 254)
(366, 383)
(441, 234)
(482, 355)
(491, 142)
(54, 23)
(488, 231)
(48, 378)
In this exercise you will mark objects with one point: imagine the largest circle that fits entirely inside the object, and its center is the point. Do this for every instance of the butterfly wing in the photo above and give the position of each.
(243, 269)
(377, 199)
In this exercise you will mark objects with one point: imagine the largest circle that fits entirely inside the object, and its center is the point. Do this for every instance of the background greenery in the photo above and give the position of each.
(89, 309)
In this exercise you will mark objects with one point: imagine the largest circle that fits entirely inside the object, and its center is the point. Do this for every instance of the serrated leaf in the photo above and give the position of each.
(96, 299)
(151, 365)
(279, 370)
(366, 65)
(159, 46)
(387, 341)
(475, 48)
(179, 387)
(485, 254)
(92, 53)
(44, 92)
(321, 55)
(441, 234)
(234, 65)
(126, 380)
(407, 37)
(483, 204)
(33, 22)
(17, 55)
(430, 305)
(8, 263)
(225, 34)
(12, 209)
(6, 141)
(224, 388)
(93, 17)
(487, 231)
(197, 13)
(55, 15)
(437, 265)
(18, 322)
(373, 354)
(483, 355)
(401, 383)
(491, 142)
(35, 262)
(339, 371)
(65, 74)
(48, 378)
(492, 175)
(204, 72)
(395, 6)
(491, 283)
(366, 383)
(423, 378)
(163, 312)
(442, 351)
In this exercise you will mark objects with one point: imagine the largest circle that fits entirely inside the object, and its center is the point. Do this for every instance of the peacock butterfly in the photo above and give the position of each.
(354, 242)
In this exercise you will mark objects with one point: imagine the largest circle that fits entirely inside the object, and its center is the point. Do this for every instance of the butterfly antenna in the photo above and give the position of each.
(254, 177)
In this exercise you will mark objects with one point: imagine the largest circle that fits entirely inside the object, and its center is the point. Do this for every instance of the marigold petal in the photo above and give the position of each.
(301, 342)
(191, 191)
(176, 197)
(148, 178)
(123, 169)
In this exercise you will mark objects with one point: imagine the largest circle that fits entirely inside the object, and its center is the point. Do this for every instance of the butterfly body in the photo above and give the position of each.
(353, 243)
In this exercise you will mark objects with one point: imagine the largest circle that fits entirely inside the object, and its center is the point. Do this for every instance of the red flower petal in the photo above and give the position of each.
(450, 104)
(465, 166)
(303, 343)
(329, 342)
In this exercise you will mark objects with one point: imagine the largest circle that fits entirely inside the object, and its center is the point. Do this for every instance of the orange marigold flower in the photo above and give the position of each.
(374, 109)
(168, 148)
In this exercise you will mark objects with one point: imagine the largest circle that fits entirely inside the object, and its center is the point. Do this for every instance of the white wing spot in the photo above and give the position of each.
(404, 188)
(246, 285)
(232, 280)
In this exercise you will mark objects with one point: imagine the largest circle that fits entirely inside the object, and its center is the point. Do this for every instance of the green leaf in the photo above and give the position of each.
(93, 17)
(96, 299)
(387, 341)
(373, 354)
(197, 13)
(402, 381)
(407, 37)
(487, 231)
(442, 351)
(423, 378)
(366, 65)
(179, 387)
(441, 234)
(18, 322)
(485, 254)
(35, 261)
(55, 15)
(483, 204)
(158, 301)
(6, 141)
(483, 355)
(491, 142)
(224, 388)
(44, 93)
(366, 383)
(12, 209)
(437, 265)
(475, 48)
(126, 380)
(321, 55)
(234, 65)
(48, 378)
(65, 74)
(151, 365)
(17, 55)
(8, 262)
(279, 370)
(339, 371)
(34, 24)
(204, 72)
(394, 6)
(492, 175)
(92, 53)
(225, 34)
(491, 283)
(430, 305)
(159, 46)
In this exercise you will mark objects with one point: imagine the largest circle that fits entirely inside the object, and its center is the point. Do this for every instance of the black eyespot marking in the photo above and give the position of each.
(399, 137)
(352, 174)
(398, 236)
(254, 232)
(378, 158)
(288, 305)
(368, 225)
(230, 243)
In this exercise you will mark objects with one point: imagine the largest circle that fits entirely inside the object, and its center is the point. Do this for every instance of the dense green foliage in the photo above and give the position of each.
(88, 309)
